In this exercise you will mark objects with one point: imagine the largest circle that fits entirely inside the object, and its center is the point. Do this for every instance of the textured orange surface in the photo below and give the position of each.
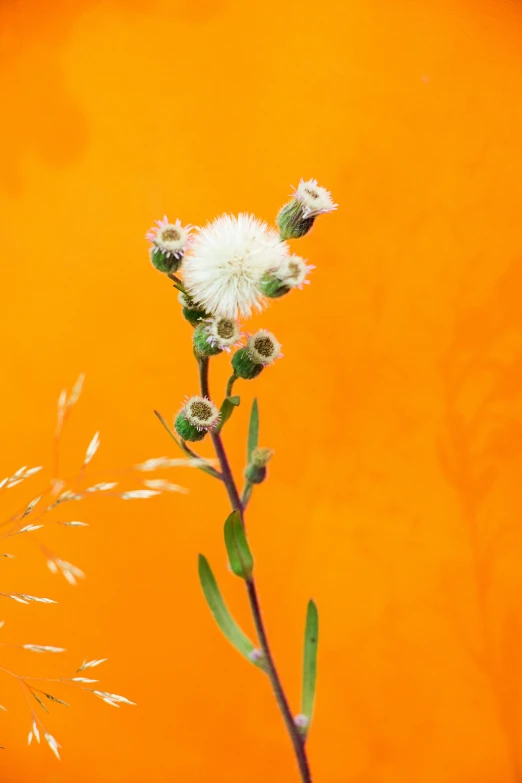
(394, 497)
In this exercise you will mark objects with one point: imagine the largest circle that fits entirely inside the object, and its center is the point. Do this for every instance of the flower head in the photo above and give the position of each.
(315, 199)
(291, 274)
(297, 217)
(168, 244)
(223, 332)
(227, 261)
(263, 348)
(198, 416)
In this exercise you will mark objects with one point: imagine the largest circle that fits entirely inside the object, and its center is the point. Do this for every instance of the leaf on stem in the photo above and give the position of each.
(225, 621)
(310, 661)
(253, 429)
(239, 554)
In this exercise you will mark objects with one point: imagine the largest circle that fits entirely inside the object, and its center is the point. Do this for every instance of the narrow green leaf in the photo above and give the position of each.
(185, 449)
(239, 554)
(235, 399)
(227, 409)
(310, 661)
(217, 606)
(253, 429)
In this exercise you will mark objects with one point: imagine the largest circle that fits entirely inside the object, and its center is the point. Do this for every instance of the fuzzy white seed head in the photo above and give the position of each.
(223, 332)
(171, 238)
(263, 347)
(226, 262)
(293, 272)
(201, 413)
(315, 199)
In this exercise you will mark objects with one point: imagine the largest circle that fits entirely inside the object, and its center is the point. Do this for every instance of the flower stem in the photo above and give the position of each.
(231, 382)
(235, 502)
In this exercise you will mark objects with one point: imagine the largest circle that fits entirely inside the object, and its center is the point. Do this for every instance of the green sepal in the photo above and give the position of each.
(253, 430)
(186, 430)
(311, 639)
(164, 263)
(239, 554)
(243, 365)
(201, 345)
(223, 618)
(273, 287)
(255, 474)
(291, 222)
(194, 317)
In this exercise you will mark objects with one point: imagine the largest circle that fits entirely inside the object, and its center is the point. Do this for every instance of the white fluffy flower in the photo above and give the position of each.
(263, 348)
(314, 199)
(227, 260)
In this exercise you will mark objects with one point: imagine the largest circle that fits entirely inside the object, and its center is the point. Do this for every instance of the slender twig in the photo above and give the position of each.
(235, 501)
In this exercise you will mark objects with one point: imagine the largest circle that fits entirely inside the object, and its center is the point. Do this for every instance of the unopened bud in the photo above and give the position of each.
(297, 217)
(168, 243)
(302, 722)
(255, 471)
(192, 312)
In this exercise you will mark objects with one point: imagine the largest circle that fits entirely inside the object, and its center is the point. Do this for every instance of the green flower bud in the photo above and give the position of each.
(261, 349)
(197, 417)
(165, 262)
(193, 312)
(186, 430)
(297, 217)
(273, 287)
(244, 366)
(292, 222)
(203, 344)
(255, 471)
(290, 274)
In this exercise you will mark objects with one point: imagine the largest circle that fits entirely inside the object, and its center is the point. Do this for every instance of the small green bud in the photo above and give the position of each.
(297, 217)
(166, 262)
(203, 344)
(292, 222)
(198, 416)
(186, 430)
(255, 471)
(273, 287)
(244, 366)
(193, 312)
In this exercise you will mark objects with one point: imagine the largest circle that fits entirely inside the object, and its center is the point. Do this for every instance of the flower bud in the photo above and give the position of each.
(261, 349)
(297, 217)
(302, 723)
(197, 417)
(243, 365)
(168, 243)
(255, 471)
(291, 274)
(202, 344)
(215, 335)
(193, 312)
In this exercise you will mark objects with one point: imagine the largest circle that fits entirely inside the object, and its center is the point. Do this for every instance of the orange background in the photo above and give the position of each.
(394, 495)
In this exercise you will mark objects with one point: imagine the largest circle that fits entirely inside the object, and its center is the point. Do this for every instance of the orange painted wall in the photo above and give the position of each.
(394, 497)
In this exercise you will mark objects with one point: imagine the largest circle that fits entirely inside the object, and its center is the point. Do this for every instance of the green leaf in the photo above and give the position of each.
(217, 606)
(253, 429)
(239, 554)
(227, 409)
(235, 399)
(310, 661)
